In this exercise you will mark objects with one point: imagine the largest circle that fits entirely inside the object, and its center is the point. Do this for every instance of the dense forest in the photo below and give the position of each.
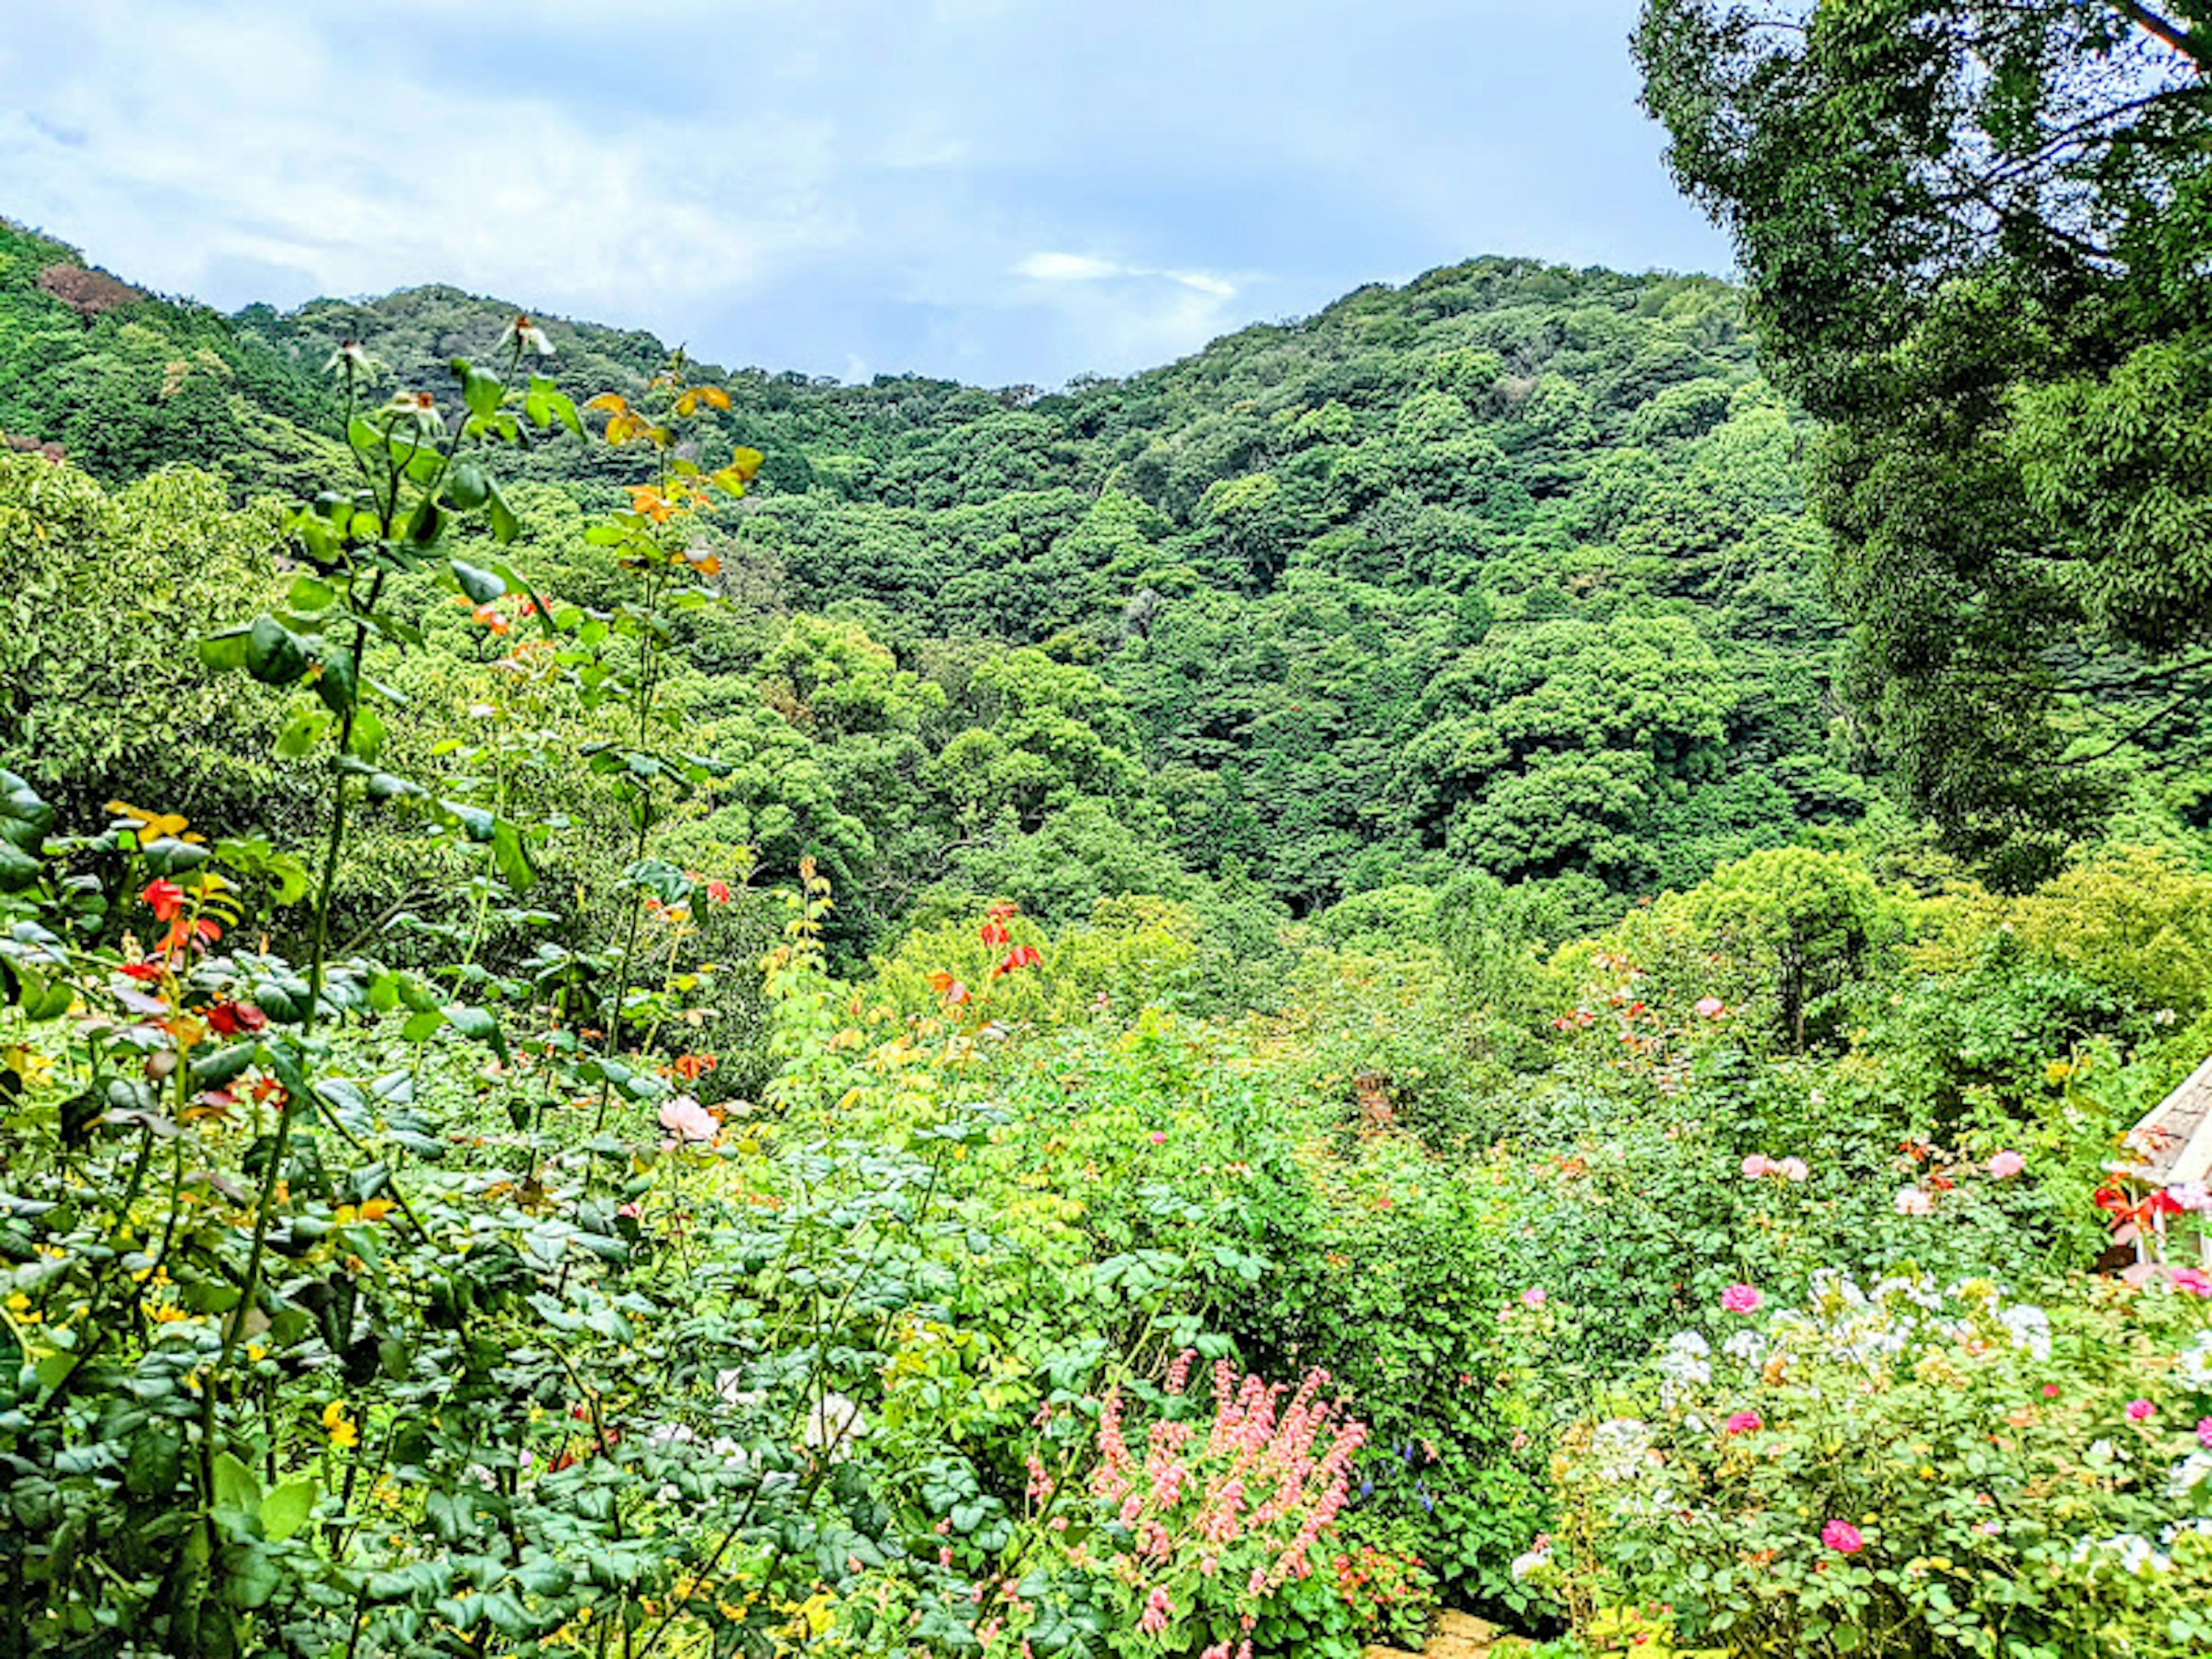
(1533, 946)
(1505, 574)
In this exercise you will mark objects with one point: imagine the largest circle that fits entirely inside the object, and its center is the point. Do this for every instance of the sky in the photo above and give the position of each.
(1002, 191)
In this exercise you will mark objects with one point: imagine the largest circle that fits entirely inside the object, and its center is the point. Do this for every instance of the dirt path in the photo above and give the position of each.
(1457, 1637)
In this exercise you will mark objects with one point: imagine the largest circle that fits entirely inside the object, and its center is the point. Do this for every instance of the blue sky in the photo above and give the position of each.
(998, 191)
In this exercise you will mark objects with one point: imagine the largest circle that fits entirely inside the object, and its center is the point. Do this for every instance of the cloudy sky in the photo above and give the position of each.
(1002, 191)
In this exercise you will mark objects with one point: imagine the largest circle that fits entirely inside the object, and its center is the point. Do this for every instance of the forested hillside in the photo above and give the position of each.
(1505, 572)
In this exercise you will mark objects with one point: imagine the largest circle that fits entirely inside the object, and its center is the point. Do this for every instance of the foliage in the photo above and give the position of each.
(1973, 234)
(1903, 1469)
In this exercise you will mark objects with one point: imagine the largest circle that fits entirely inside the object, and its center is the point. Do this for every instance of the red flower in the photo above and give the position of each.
(950, 989)
(718, 892)
(164, 898)
(232, 1018)
(994, 932)
(147, 971)
(1021, 955)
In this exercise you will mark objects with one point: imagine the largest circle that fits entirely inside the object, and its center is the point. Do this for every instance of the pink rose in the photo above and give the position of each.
(2139, 1410)
(1741, 1298)
(1915, 1200)
(2005, 1165)
(1746, 1422)
(1842, 1537)
(688, 1122)
(1756, 1165)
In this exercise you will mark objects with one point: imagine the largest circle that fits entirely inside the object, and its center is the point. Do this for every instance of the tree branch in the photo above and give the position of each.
(2165, 29)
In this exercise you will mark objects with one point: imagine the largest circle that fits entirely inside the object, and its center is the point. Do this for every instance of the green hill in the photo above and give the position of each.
(1505, 571)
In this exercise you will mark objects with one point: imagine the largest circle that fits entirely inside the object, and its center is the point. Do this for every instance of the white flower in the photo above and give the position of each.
(1529, 1561)
(2195, 1361)
(2189, 1473)
(1747, 1345)
(833, 1425)
(2029, 1327)
(1619, 1447)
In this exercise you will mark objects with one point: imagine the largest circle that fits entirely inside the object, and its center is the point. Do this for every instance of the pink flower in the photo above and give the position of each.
(1756, 1165)
(1792, 1169)
(2140, 1410)
(2005, 1165)
(1159, 1137)
(687, 1121)
(1745, 1423)
(1741, 1298)
(1535, 1297)
(1841, 1537)
(2051, 1391)
(1158, 1610)
(2204, 1432)
(2191, 1280)
(1915, 1200)
(1710, 1007)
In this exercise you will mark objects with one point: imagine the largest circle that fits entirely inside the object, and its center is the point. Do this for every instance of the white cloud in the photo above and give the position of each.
(179, 151)
(1088, 268)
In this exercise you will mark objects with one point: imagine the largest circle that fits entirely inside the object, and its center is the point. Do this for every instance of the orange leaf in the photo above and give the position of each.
(715, 396)
(608, 401)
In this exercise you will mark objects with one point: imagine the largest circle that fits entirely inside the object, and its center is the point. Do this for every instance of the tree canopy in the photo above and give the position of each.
(1975, 236)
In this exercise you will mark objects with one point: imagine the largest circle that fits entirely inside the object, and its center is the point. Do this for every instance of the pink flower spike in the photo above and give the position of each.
(1535, 1297)
(2005, 1165)
(1756, 1165)
(1741, 1298)
(1745, 1423)
(1842, 1537)
(2139, 1410)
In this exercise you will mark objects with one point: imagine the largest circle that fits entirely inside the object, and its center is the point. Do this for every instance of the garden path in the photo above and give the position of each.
(1457, 1637)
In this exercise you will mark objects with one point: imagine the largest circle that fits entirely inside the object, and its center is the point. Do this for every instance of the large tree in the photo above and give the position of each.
(1978, 238)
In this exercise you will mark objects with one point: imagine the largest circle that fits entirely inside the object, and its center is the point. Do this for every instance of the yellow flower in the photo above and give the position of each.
(254, 1350)
(340, 1429)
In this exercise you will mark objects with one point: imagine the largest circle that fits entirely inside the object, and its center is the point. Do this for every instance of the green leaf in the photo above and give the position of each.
(274, 654)
(335, 685)
(301, 732)
(235, 1488)
(18, 869)
(478, 1025)
(311, 594)
(226, 653)
(480, 585)
(505, 527)
(481, 391)
(468, 489)
(366, 741)
(512, 857)
(286, 1510)
(421, 1028)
